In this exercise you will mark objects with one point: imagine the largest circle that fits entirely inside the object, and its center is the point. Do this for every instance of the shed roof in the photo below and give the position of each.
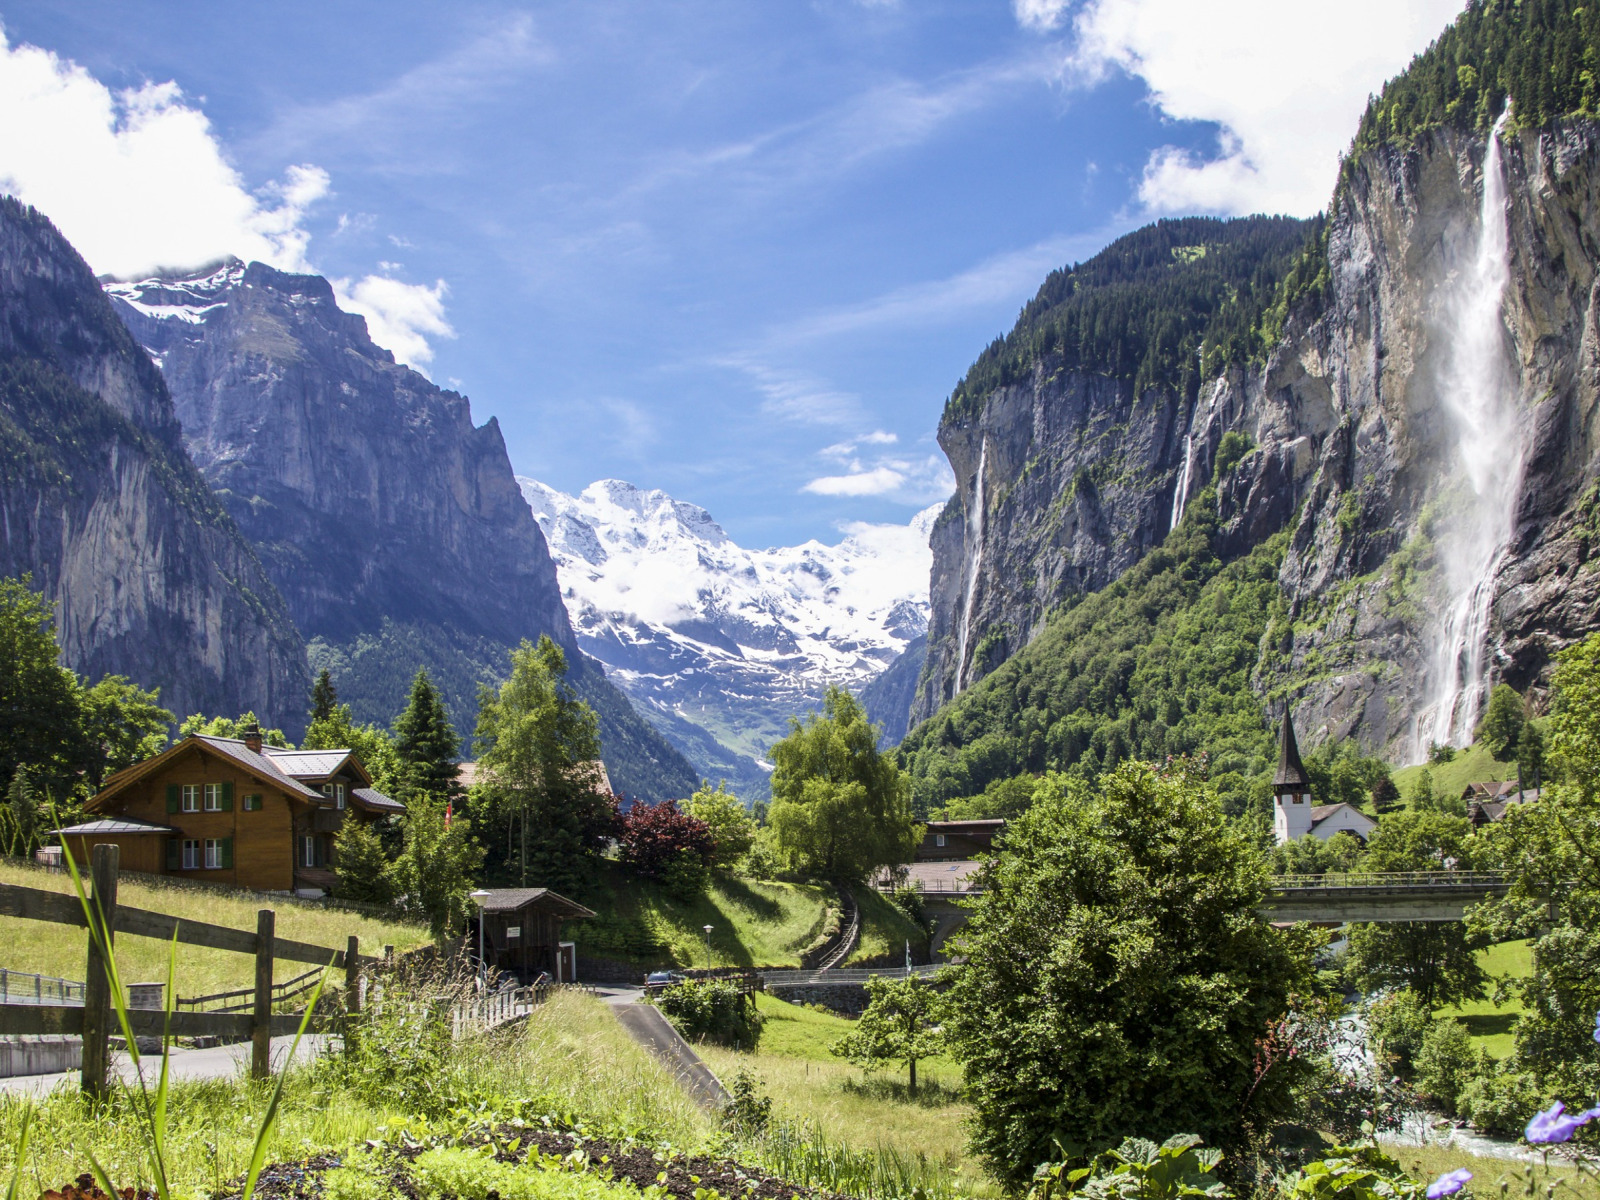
(983, 825)
(1291, 771)
(514, 899)
(111, 825)
(306, 764)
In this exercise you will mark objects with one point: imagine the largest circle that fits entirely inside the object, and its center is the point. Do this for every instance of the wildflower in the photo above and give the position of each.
(1597, 1027)
(1551, 1126)
(1449, 1183)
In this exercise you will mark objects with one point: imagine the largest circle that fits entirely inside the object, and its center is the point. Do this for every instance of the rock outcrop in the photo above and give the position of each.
(1344, 436)
(392, 524)
(100, 503)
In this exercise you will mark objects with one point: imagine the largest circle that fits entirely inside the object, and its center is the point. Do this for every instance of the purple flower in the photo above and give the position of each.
(1551, 1126)
(1597, 1027)
(1449, 1183)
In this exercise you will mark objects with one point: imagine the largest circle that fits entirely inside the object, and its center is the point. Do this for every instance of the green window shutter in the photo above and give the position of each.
(227, 797)
(173, 793)
(227, 852)
(174, 854)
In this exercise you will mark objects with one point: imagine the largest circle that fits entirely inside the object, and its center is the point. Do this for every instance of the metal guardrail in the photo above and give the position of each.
(966, 885)
(1390, 879)
(24, 987)
(846, 975)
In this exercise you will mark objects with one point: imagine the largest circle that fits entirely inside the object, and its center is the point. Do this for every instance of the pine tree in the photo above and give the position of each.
(324, 697)
(426, 742)
(363, 866)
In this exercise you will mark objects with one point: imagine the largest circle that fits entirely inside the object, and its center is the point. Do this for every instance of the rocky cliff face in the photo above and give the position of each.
(1379, 432)
(99, 501)
(391, 523)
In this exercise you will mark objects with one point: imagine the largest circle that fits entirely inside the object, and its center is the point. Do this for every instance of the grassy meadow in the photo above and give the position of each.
(1490, 1026)
(59, 950)
(1474, 765)
(846, 1106)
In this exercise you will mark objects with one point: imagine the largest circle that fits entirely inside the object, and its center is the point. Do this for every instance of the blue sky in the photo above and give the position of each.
(738, 251)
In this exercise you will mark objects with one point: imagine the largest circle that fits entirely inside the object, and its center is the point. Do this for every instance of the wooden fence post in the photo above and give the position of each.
(97, 983)
(352, 994)
(261, 1026)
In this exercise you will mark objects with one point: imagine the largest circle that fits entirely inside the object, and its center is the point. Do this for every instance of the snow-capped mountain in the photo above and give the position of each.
(718, 644)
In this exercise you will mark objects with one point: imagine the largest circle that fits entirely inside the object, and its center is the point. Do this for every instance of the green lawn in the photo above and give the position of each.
(1489, 1026)
(884, 931)
(808, 1085)
(61, 950)
(753, 922)
(1475, 765)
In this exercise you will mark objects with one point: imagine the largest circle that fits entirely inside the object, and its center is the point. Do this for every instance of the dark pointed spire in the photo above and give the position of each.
(1291, 776)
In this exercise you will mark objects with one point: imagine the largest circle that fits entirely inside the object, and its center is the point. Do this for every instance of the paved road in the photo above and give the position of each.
(219, 1062)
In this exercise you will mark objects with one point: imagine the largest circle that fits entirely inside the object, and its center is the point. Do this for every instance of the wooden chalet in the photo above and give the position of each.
(957, 841)
(522, 933)
(232, 811)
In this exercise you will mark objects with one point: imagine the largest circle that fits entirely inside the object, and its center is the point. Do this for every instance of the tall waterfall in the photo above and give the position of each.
(1180, 495)
(1480, 394)
(974, 562)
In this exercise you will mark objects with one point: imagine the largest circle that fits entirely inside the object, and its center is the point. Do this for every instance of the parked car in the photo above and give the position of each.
(657, 980)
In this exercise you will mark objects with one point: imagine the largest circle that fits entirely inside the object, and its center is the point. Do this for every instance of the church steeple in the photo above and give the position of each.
(1291, 774)
(1291, 787)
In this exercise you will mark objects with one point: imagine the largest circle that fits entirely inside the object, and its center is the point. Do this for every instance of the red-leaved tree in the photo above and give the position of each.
(655, 836)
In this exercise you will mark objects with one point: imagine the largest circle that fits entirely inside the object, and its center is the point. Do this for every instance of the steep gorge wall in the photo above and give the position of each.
(149, 576)
(1352, 446)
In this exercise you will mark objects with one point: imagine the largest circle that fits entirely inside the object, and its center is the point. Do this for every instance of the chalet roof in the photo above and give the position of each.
(470, 774)
(286, 769)
(977, 825)
(376, 800)
(513, 899)
(1291, 771)
(307, 764)
(1322, 812)
(1492, 789)
(111, 825)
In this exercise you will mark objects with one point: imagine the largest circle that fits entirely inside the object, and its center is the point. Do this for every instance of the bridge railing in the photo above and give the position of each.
(787, 978)
(960, 885)
(1390, 879)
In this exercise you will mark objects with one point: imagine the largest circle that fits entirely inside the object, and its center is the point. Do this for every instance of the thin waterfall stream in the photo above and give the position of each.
(1480, 395)
(974, 563)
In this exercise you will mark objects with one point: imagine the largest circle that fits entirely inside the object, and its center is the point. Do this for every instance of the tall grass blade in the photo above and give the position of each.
(258, 1156)
(15, 1186)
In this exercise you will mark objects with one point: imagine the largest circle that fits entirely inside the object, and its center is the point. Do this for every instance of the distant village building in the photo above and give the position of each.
(1489, 802)
(1293, 812)
(956, 841)
(470, 775)
(232, 811)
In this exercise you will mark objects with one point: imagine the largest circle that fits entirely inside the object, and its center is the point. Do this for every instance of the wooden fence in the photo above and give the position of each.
(93, 1019)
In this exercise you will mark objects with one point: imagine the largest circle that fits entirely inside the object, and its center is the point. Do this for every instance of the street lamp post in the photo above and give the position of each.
(708, 946)
(480, 898)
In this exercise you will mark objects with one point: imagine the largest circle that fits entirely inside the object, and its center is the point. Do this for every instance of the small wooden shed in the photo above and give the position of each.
(522, 933)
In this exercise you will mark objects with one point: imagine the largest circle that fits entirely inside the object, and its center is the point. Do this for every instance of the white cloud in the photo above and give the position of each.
(877, 482)
(401, 317)
(138, 182)
(1286, 82)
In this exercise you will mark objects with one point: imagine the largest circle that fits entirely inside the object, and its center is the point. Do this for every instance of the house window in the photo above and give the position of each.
(252, 802)
(312, 852)
(191, 797)
(213, 853)
(338, 795)
(938, 839)
(213, 797)
(191, 854)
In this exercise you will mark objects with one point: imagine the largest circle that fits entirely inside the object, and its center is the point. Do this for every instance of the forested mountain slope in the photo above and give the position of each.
(1413, 411)
(391, 523)
(101, 504)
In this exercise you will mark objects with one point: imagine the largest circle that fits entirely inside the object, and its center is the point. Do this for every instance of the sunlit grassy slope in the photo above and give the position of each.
(1489, 1026)
(1476, 765)
(60, 950)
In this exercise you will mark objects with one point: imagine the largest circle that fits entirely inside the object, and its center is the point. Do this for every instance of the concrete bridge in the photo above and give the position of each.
(1332, 899)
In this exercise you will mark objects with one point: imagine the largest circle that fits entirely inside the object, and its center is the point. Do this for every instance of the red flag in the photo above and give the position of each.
(448, 805)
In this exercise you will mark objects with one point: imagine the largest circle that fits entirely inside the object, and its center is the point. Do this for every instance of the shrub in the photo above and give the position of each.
(1498, 1101)
(1445, 1063)
(657, 839)
(1177, 1168)
(749, 1109)
(1397, 1023)
(1353, 1173)
(713, 1009)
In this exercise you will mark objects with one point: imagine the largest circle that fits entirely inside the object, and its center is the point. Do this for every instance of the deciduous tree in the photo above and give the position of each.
(438, 864)
(123, 724)
(901, 1026)
(1500, 728)
(840, 809)
(40, 718)
(733, 830)
(231, 727)
(535, 742)
(1118, 978)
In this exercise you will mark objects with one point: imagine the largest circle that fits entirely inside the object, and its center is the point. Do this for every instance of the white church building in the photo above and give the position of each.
(1293, 812)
